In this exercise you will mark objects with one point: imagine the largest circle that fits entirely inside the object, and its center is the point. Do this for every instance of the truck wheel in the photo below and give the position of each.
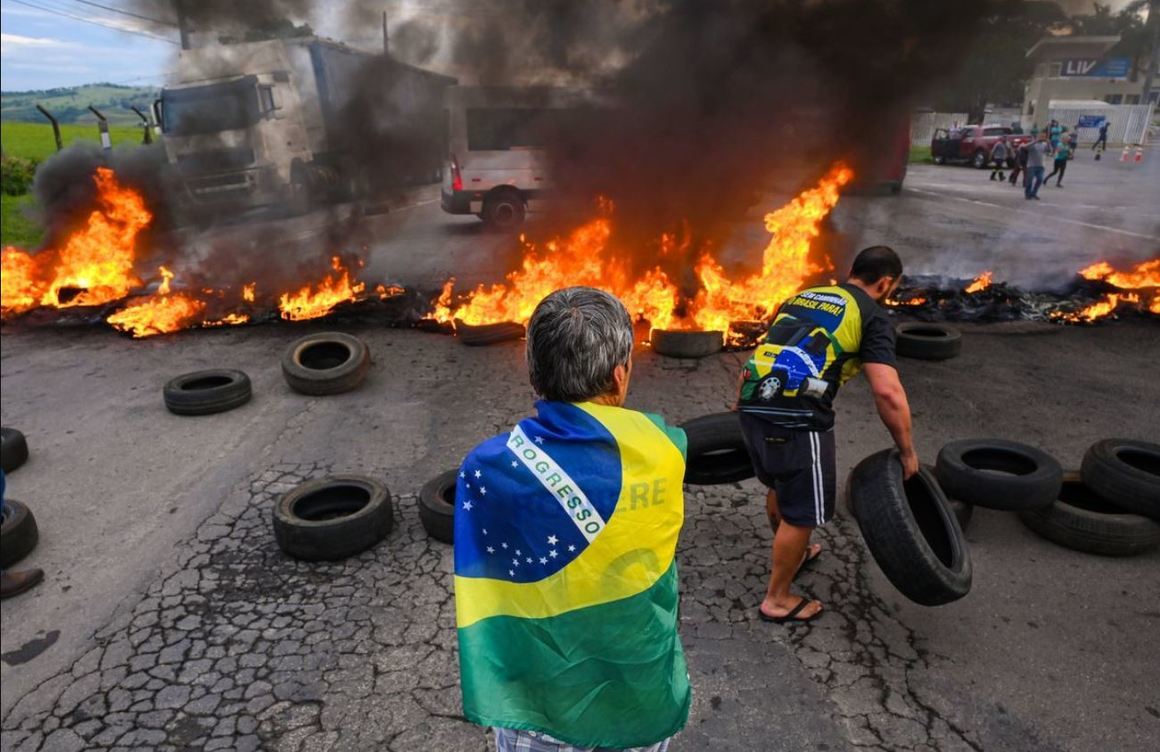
(979, 160)
(504, 210)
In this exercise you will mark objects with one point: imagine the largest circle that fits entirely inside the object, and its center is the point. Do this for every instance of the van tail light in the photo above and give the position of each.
(456, 177)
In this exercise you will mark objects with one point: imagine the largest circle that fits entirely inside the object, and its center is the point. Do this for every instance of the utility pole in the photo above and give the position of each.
(1154, 58)
(386, 38)
(182, 22)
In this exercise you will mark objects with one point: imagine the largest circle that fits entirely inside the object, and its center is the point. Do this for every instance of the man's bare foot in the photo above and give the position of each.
(793, 608)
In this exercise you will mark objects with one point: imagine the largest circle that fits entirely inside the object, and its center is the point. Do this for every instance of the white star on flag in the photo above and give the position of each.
(484, 531)
(543, 560)
(528, 560)
(462, 474)
(552, 540)
(504, 545)
(515, 562)
(515, 464)
(490, 550)
(467, 506)
(539, 439)
(478, 474)
(552, 553)
(511, 573)
(467, 485)
(483, 490)
(571, 548)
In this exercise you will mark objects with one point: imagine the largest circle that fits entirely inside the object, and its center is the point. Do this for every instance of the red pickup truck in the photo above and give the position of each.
(972, 143)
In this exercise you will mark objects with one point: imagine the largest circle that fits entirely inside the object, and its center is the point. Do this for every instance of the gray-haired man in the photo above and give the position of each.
(565, 540)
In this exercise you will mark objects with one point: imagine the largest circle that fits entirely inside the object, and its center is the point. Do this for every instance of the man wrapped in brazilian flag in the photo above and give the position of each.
(819, 339)
(565, 534)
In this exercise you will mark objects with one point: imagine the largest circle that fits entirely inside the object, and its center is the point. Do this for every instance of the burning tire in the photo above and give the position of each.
(716, 450)
(13, 449)
(912, 534)
(332, 518)
(998, 474)
(1125, 473)
(327, 363)
(488, 334)
(1082, 521)
(207, 392)
(686, 344)
(503, 210)
(437, 506)
(18, 533)
(928, 341)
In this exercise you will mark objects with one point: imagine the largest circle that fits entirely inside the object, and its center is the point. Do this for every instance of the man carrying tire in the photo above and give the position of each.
(565, 541)
(819, 339)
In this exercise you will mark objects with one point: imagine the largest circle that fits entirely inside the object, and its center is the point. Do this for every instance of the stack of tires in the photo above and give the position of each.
(18, 531)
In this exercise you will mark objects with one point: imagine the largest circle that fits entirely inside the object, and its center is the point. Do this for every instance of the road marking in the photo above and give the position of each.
(1029, 211)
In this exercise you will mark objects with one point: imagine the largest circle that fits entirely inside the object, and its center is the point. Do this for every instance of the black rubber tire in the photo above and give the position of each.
(1125, 473)
(686, 344)
(912, 534)
(928, 341)
(963, 512)
(998, 474)
(340, 363)
(979, 159)
(18, 533)
(13, 449)
(305, 529)
(489, 334)
(716, 450)
(938, 159)
(503, 211)
(437, 506)
(206, 392)
(1080, 520)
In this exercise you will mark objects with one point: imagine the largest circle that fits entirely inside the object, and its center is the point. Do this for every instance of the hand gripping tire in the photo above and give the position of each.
(18, 533)
(998, 474)
(924, 341)
(332, 518)
(207, 392)
(1125, 473)
(13, 449)
(1082, 521)
(963, 511)
(488, 334)
(686, 344)
(716, 450)
(326, 363)
(910, 530)
(437, 506)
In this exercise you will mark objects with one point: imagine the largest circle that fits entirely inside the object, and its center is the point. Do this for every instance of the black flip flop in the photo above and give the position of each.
(792, 615)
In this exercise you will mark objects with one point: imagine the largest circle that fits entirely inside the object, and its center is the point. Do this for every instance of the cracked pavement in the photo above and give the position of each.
(180, 625)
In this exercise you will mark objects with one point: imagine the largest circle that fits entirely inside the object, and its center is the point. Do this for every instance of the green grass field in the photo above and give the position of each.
(16, 228)
(35, 141)
(920, 155)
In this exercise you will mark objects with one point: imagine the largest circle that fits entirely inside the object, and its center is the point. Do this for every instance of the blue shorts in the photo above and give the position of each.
(798, 465)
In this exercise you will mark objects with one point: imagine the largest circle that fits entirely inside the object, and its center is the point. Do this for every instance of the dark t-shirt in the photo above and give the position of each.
(819, 339)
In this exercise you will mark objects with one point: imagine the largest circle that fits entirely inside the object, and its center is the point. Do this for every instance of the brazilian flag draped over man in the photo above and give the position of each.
(565, 578)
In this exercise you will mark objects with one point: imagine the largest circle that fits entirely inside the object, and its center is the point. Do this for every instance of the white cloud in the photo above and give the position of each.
(21, 42)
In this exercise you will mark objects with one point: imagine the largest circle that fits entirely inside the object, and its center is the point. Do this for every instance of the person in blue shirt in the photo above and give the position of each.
(1062, 155)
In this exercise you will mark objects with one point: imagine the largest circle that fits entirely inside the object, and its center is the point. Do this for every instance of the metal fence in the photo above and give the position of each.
(923, 125)
(1129, 122)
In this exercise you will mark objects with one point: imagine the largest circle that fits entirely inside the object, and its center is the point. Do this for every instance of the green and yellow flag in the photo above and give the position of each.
(565, 579)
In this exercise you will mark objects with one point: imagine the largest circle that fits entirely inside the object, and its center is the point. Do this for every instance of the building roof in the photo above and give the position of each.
(1073, 45)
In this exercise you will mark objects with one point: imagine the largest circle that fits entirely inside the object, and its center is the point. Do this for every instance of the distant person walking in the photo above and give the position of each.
(1102, 140)
(1073, 140)
(1062, 155)
(999, 159)
(1037, 154)
(1056, 133)
(1020, 164)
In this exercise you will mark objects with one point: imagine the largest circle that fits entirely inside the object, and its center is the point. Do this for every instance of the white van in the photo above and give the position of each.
(497, 164)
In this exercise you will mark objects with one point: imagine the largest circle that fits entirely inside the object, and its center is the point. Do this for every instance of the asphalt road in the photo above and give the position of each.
(168, 614)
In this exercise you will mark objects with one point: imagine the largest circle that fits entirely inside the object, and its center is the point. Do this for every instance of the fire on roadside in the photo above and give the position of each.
(1135, 284)
(981, 282)
(318, 300)
(586, 256)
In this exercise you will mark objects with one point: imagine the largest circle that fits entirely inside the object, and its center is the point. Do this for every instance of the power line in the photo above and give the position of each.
(127, 13)
(94, 23)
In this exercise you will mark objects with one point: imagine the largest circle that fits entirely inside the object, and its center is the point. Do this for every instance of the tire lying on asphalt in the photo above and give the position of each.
(1080, 520)
(207, 392)
(716, 450)
(488, 334)
(928, 341)
(998, 474)
(686, 344)
(326, 363)
(437, 506)
(1126, 473)
(912, 534)
(18, 533)
(13, 449)
(332, 518)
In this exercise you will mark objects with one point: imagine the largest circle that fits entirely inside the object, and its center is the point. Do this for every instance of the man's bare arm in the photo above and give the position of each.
(890, 399)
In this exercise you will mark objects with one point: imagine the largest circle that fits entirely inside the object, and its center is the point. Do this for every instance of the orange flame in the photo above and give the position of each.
(308, 303)
(96, 264)
(584, 258)
(982, 282)
(1102, 308)
(1144, 275)
(248, 292)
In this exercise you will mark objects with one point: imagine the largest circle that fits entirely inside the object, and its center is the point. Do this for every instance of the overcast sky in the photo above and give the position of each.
(68, 43)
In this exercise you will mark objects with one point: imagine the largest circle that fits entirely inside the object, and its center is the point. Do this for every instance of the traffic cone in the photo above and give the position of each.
(1139, 154)
(1124, 154)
